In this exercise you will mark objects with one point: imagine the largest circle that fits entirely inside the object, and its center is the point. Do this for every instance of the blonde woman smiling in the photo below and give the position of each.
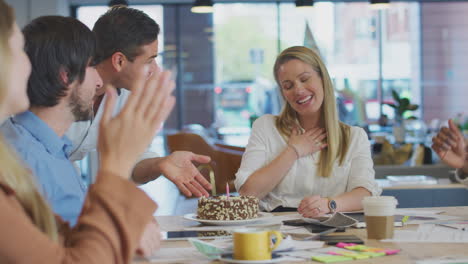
(305, 159)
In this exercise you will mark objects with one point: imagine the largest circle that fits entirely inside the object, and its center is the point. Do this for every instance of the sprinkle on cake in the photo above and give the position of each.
(227, 208)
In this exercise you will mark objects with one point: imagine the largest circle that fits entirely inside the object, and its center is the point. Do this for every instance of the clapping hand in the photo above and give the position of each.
(449, 144)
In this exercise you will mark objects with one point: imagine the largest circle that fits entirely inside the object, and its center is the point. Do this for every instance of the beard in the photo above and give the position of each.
(81, 110)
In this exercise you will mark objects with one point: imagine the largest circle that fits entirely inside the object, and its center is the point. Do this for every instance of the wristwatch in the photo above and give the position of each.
(331, 205)
(461, 175)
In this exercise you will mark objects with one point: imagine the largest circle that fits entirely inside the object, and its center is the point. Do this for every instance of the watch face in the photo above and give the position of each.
(333, 204)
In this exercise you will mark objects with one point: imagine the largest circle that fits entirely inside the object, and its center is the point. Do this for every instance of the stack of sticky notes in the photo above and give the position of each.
(353, 252)
(362, 248)
(330, 259)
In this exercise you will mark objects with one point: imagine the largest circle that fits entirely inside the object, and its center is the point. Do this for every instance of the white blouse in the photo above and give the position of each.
(266, 143)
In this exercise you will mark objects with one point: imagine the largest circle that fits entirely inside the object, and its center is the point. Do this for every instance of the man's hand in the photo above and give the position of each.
(179, 169)
(449, 144)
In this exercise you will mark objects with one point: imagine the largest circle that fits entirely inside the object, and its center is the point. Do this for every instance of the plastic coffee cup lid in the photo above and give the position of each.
(378, 200)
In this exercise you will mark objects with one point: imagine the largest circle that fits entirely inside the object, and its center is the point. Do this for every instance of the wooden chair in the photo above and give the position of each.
(225, 162)
(221, 145)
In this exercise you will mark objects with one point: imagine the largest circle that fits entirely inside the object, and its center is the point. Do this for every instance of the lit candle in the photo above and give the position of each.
(227, 189)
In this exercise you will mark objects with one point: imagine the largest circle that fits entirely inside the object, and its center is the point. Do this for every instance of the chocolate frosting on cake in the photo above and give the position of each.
(227, 208)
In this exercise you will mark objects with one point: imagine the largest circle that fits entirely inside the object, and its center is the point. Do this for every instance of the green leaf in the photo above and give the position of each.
(404, 103)
(413, 107)
(391, 105)
(396, 96)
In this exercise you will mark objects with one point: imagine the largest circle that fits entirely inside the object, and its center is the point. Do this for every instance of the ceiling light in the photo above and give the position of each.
(202, 6)
(304, 3)
(380, 4)
(117, 2)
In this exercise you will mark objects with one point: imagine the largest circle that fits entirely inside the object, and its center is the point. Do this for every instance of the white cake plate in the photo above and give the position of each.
(261, 217)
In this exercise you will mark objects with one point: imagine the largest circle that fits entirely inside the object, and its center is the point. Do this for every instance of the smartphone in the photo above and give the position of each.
(335, 239)
(313, 228)
(295, 222)
(183, 235)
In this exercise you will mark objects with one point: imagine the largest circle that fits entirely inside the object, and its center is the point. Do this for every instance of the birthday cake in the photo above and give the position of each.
(227, 208)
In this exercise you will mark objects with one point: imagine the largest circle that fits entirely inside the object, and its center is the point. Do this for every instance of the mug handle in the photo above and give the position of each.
(278, 236)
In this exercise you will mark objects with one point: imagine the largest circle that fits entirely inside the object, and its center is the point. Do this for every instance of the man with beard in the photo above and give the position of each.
(61, 89)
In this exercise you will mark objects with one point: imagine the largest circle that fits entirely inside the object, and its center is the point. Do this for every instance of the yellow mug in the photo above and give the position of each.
(254, 244)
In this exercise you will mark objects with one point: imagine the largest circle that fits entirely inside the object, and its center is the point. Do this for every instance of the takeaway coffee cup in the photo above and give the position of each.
(254, 244)
(379, 212)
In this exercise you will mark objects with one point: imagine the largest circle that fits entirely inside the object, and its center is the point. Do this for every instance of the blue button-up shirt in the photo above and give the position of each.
(45, 153)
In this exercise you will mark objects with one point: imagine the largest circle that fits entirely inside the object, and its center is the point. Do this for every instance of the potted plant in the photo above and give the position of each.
(401, 105)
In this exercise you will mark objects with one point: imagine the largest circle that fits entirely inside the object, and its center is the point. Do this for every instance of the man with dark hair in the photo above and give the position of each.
(61, 89)
(127, 45)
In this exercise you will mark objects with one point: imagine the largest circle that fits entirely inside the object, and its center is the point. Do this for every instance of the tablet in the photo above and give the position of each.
(335, 239)
(184, 235)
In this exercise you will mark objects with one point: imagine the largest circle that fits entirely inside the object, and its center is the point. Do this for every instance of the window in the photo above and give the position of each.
(400, 53)
(245, 49)
(90, 14)
(347, 37)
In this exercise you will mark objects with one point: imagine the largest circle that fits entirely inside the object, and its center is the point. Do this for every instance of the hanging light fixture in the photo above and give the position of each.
(304, 4)
(117, 2)
(202, 6)
(379, 4)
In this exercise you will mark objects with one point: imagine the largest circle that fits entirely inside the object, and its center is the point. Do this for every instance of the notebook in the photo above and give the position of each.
(335, 220)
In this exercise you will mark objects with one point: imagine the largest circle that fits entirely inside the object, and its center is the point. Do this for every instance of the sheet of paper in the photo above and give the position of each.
(456, 224)
(308, 254)
(444, 260)
(295, 230)
(430, 233)
(426, 215)
(428, 219)
(304, 245)
(184, 254)
(403, 211)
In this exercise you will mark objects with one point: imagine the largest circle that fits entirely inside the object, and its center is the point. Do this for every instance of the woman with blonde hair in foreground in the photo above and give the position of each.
(115, 212)
(305, 159)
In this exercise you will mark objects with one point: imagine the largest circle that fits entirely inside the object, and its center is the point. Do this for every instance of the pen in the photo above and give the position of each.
(457, 228)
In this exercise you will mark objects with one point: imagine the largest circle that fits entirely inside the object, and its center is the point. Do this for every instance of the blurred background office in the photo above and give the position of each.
(400, 72)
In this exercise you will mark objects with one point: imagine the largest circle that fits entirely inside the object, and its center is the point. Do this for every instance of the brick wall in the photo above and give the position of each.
(444, 39)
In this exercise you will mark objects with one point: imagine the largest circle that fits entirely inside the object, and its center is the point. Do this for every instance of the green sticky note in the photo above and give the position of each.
(331, 259)
(373, 254)
(354, 255)
(357, 247)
